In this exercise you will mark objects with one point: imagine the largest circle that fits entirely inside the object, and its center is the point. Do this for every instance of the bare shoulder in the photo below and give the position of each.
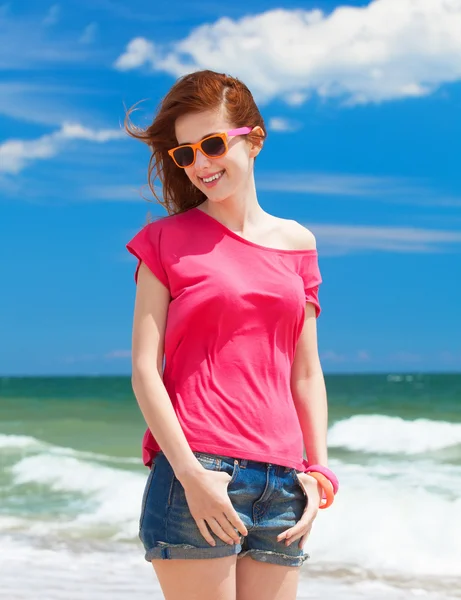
(302, 237)
(297, 236)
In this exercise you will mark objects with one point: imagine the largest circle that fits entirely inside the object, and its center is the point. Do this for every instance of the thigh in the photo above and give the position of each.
(192, 579)
(264, 581)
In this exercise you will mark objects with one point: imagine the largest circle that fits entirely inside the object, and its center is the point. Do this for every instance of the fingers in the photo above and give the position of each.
(303, 540)
(221, 527)
(303, 527)
(295, 533)
(235, 520)
(201, 524)
(223, 530)
(300, 530)
(212, 509)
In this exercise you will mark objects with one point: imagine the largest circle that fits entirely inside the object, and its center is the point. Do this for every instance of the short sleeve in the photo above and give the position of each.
(310, 274)
(146, 246)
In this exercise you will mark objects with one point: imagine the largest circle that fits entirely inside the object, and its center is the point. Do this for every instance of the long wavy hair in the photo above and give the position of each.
(195, 92)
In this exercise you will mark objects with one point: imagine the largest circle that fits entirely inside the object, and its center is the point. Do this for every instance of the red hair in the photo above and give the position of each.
(195, 92)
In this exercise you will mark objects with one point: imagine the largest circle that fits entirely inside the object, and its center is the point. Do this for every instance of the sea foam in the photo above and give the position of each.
(392, 435)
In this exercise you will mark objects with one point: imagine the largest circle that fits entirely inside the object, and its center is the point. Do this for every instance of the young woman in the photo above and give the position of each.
(225, 361)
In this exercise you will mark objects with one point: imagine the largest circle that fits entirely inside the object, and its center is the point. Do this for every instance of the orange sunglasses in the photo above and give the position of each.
(212, 146)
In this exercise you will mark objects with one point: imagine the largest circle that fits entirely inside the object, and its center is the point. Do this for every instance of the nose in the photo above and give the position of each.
(201, 160)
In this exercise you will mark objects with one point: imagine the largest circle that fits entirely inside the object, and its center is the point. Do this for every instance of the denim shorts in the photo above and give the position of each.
(268, 499)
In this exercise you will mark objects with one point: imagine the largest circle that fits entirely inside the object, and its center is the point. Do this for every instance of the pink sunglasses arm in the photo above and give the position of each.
(239, 131)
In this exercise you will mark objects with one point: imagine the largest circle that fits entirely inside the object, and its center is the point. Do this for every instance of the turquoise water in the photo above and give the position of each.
(96, 414)
(72, 479)
(101, 414)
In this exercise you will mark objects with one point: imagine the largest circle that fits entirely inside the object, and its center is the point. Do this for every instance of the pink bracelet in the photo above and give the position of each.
(327, 473)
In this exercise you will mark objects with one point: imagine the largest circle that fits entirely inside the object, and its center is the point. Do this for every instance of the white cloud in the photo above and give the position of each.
(332, 356)
(337, 184)
(406, 357)
(89, 34)
(450, 358)
(52, 16)
(281, 124)
(386, 50)
(296, 98)
(387, 189)
(336, 357)
(75, 131)
(139, 52)
(118, 354)
(121, 192)
(112, 355)
(364, 356)
(15, 155)
(335, 239)
(361, 187)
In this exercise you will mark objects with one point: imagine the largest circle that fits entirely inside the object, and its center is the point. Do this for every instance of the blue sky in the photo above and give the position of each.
(362, 102)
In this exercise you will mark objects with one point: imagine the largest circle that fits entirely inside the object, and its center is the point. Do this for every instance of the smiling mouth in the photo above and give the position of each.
(211, 178)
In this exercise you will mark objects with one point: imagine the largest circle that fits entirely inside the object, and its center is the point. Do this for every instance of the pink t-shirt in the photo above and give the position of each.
(235, 316)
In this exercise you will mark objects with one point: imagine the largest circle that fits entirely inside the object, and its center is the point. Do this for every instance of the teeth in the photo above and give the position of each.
(213, 177)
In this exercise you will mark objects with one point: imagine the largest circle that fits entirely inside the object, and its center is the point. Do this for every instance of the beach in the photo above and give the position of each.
(72, 480)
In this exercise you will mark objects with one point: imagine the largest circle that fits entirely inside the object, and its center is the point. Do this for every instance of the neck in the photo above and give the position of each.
(240, 212)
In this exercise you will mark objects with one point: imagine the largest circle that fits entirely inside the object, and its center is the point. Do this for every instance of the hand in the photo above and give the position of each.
(210, 505)
(303, 527)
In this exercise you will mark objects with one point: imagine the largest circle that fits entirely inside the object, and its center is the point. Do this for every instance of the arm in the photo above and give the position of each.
(309, 396)
(149, 323)
(307, 382)
(309, 393)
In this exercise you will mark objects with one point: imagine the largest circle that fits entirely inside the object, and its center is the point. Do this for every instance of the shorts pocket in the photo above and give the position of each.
(218, 463)
(294, 474)
(235, 471)
(177, 498)
(146, 494)
(208, 461)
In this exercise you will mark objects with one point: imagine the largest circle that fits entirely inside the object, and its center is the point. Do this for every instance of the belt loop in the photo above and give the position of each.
(243, 463)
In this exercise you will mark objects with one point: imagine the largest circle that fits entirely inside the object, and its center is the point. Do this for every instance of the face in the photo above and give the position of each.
(234, 170)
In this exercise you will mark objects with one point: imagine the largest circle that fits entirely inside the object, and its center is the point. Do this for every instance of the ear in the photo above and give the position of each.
(256, 141)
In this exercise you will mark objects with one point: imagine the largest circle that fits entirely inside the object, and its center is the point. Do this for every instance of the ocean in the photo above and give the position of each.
(72, 479)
